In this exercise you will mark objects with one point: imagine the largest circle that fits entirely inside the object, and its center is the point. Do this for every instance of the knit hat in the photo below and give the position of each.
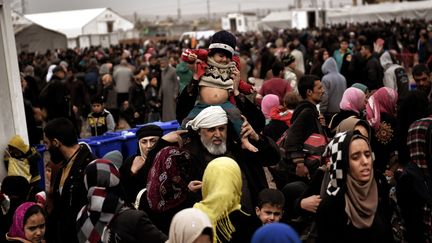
(101, 173)
(115, 157)
(288, 59)
(223, 41)
(361, 87)
(149, 130)
(18, 143)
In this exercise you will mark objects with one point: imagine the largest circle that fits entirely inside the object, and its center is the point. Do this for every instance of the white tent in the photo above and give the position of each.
(32, 37)
(277, 20)
(381, 12)
(83, 27)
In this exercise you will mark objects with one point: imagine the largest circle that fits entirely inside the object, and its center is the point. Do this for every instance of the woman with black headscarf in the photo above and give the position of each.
(354, 209)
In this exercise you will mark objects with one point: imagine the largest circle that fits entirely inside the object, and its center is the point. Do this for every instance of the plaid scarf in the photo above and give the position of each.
(102, 179)
(416, 142)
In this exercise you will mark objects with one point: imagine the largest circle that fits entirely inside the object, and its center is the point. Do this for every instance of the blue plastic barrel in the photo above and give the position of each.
(101, 145)
(167, 127)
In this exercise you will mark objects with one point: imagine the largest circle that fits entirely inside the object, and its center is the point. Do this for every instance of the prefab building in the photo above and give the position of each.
(240, 22)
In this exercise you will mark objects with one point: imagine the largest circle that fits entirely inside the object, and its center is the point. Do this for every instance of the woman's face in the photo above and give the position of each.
(325, 55)
(34, 228)
(360, 160)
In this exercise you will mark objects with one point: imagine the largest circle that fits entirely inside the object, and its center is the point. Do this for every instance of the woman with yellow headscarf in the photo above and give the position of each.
(221, 193)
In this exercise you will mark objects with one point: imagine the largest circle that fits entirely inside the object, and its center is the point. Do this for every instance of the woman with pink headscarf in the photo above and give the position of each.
(352, 105)
(381, 116)
(268, 102)
(28, 224)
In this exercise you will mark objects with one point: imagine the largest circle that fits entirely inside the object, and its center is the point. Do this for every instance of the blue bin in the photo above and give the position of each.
(101, 145)
(130, 144)
(167, 127)
(129, 141)
(41, 165)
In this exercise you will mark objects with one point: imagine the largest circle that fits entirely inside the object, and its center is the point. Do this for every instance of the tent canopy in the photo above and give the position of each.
(277, 20)
(381, 12)
(70, 23)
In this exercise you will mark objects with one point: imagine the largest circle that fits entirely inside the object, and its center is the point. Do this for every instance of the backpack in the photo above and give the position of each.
(314, 147)
(281, 171)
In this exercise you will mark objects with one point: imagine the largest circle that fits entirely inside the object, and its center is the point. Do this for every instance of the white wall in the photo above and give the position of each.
(13, 120)
(72, 43)
(99, 26)
(84, 41)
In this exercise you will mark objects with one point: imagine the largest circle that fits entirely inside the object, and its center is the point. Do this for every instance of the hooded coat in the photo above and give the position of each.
(395, 76)
(334, 86)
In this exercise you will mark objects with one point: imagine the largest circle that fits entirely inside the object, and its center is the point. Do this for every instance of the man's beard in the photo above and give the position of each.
(56, 156)
(214, 149)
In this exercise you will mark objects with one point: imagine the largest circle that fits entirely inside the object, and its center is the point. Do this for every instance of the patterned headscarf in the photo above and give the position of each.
(353, 99)
(338, 152)
(17, 227)
(187, 225)
(221, 193)
(275, 233)
(167, 182)
(105, 199)
(361, 199)
(383, 100)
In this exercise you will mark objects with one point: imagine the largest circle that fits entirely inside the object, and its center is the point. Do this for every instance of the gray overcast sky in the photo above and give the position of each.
(155, 7)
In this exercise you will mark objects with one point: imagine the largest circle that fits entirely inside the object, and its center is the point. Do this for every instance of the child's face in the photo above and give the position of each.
(221, 58)
(97, 108)
(269, 213)
(34, 228)
(154, 82)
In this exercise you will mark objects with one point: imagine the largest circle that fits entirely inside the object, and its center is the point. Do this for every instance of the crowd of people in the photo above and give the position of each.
(315, 135)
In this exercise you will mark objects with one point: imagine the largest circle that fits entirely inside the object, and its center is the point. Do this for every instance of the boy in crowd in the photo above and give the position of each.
(270, 205)
(100, 120)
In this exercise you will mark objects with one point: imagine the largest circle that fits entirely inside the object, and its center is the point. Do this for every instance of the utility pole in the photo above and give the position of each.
(208, 10)
(178, 10)
(23, 7)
